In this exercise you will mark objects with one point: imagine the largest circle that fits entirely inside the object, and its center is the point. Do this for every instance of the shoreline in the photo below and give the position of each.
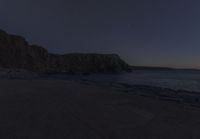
(191, 98)
(181, 96)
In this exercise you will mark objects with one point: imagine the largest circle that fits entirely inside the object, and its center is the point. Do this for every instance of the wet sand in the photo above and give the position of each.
(57, 109)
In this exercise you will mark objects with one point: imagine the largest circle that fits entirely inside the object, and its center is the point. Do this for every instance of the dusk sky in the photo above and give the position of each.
(142, 32)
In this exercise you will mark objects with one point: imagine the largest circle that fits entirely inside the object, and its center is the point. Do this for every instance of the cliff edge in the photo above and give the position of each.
(17, 53)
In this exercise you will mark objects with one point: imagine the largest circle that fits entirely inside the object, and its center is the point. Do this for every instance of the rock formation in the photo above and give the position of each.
(17, 53)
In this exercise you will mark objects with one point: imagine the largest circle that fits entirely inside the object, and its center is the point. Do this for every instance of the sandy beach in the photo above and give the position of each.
(58, 109)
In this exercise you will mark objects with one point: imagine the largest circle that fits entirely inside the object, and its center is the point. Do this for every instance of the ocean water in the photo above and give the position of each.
(175, 79)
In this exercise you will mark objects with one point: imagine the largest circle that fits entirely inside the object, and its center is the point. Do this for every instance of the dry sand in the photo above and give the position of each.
(56, 109)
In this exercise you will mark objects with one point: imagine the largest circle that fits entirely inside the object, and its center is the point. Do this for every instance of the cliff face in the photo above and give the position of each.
(87, 63)
(15, 52)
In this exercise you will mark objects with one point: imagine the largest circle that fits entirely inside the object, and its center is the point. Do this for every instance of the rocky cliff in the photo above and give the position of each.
(17, 53)
(87, 63)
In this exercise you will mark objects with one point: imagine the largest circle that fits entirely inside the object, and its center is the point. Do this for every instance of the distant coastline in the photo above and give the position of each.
(161, 68)
(150, 68)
